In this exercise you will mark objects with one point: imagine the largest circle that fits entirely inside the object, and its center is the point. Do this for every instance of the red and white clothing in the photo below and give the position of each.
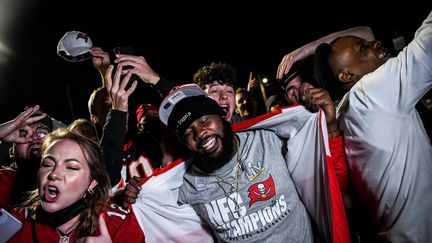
(122, 226)
(158, 213)
(323, 166)
(126, 157)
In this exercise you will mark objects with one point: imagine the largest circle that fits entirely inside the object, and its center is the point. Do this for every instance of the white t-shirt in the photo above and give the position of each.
(158, 213)
(388, 151)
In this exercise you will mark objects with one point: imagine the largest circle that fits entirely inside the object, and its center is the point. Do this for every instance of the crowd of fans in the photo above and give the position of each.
(340, 153)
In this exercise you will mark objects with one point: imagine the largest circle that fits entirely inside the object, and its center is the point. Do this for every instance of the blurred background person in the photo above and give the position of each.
(246, 106)
(26, 133)
(84, 127)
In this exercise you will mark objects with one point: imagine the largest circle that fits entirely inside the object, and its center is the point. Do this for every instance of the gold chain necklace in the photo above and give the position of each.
(232, 188)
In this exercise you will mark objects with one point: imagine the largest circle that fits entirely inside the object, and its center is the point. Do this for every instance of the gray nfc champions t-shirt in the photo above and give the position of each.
(269, 207)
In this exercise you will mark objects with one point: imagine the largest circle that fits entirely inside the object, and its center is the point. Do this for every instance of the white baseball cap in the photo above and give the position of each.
(75, 46)
(177, 94)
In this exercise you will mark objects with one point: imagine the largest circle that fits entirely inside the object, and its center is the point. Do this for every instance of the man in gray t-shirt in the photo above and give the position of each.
(240, 184)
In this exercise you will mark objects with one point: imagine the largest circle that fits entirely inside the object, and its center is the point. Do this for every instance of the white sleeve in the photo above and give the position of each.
(400, 83)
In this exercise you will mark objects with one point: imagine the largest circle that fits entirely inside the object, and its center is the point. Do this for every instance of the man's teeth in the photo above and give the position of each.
(209, 143)
(35, 147)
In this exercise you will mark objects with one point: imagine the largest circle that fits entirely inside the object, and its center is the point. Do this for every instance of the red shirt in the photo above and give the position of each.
(122, 226)
(7, 184)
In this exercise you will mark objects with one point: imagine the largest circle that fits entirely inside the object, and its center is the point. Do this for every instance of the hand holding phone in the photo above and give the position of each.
(123, 50)
(128, 51)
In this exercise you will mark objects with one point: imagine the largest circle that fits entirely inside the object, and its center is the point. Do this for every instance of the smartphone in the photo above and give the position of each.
(124, 50)
(9, 225)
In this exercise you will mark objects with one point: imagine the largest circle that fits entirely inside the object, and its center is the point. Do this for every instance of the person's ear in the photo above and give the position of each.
(92, 185)
(346, 76)
(11, 152)
(94, 119)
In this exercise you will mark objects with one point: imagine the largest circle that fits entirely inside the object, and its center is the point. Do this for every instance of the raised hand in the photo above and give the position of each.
(101, 60)
(288, 60)
(252, 83)
(139, 66)
(10, 131)
(308, 49)
(315, 98)
(117, 91)
(131, 191)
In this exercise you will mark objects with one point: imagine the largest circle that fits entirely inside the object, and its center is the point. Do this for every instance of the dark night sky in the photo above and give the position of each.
(175, 39)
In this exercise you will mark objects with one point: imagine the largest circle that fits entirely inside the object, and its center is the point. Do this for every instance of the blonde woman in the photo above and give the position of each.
(73, 201)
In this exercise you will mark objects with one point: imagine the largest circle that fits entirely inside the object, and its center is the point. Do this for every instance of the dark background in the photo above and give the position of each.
(176, 39)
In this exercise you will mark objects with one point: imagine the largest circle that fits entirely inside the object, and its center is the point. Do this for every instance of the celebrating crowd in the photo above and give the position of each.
(339, 153)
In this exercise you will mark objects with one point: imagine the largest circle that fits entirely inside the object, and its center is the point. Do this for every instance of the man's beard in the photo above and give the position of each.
(209, 164)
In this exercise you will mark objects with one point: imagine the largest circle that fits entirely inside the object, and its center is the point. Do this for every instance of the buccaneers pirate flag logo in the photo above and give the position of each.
(261, 191)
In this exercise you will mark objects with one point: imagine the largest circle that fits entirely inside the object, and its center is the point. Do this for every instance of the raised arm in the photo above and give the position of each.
(114, 131)
(11, 131)
(142, 69)
(315, 98)
(308, 49)
(101, 62)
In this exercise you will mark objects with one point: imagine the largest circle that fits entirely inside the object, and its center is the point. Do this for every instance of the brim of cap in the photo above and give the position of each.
(75, 58)
(47, 121)
(285, 81)
(79, 51)
(175, 96)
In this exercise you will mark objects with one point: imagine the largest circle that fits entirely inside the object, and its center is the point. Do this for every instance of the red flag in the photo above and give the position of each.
(261, 191)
